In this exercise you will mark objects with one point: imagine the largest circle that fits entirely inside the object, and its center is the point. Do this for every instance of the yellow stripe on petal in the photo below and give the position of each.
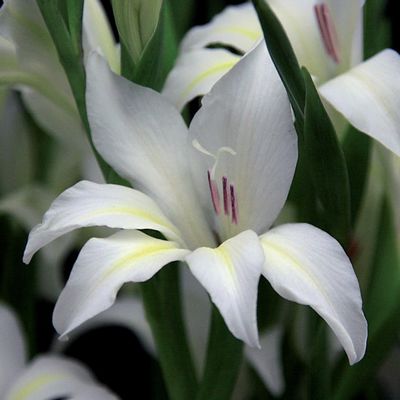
(33, 386)
(206, 74)
(148, 250)
(253, 35)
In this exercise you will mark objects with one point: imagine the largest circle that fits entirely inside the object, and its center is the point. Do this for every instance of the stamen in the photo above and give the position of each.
(234, 205)
(224, 149)
(226, 194)
(214, 193)
(328, 31)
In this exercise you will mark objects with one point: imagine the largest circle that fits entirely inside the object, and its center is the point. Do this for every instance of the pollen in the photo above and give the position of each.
(328, 32)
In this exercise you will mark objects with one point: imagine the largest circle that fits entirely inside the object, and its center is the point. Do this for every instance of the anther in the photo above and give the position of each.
(226, 194)
(214, 193)
(327, 31)
(234, 205)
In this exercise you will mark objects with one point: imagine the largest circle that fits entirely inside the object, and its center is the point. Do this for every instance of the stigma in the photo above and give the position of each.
(328, 32)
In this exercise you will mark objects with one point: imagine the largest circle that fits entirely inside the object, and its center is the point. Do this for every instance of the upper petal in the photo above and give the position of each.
(93, 204)
(236, 26)
(230, 274)
(248, 111)
(144, 138)
(368, 96)
(306, 265)
(195, 73)
(12, 348)
(102, 267)
(50, 377)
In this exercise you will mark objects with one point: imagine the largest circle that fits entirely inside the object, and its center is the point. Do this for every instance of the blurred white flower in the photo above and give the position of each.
(326, 37)
(46, 376)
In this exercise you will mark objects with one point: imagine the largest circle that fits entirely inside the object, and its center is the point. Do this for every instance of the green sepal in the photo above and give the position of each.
(136, 22)
(326, 164)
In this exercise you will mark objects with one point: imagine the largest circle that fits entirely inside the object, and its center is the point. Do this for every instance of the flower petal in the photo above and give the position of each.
(368, 96)
(195, 73)
(266, 361)
(143, 136)
(306, 265)
(102, 267)
(12, 348)
(248, 111)
(94, 204)
(230, 274)
(236, 26)
(50, 377)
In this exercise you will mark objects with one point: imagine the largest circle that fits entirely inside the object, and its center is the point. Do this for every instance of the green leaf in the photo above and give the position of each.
(326, 164)
(136, 21)
(182, 12)
(163, 306)
(285, 60)
(376, 27)
(382, 312)
(224, 357)
(357, 149)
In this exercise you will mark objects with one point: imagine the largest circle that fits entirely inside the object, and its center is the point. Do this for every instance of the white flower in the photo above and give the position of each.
(211, 191)
(326, 37)
(45, 377)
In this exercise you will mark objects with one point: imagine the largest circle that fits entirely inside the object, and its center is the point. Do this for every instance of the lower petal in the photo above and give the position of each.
(102, 267)
(93, 204)
(368, 96)
(230, 274)
(308, 266)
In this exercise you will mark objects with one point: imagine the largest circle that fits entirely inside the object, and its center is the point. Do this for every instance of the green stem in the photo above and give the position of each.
(224, 357)
(162, 301)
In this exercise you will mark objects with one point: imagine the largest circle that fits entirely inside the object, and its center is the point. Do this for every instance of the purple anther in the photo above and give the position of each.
(327, 31)
(226, 194)
(234, 205)
(214, 193)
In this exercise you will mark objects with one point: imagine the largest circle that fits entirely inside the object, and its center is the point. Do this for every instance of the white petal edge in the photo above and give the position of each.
(48, 377)
(267, 360)
(102, 267)
(368, 96)
(195, 73)
(12, 348)
(230, 274)
(306, 265)
(95, 204)
(235, 26)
